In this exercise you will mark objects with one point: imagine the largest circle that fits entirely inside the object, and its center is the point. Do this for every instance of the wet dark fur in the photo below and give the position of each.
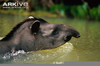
(34, 34)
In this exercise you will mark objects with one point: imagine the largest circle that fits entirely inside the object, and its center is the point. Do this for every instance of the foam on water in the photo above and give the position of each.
(10, 56)
(1, 38)
(18, 52)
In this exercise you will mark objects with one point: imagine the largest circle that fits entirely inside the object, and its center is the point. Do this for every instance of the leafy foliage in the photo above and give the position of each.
(58, 9)
(95, 12)
(78, 11)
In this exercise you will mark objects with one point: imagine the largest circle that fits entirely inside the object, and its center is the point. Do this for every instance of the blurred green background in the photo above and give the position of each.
(82, 9)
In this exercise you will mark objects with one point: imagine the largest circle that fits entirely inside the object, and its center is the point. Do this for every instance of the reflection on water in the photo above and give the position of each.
(86, 48)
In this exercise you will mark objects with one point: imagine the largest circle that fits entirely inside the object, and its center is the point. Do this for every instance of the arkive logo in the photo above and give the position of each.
(15, 5)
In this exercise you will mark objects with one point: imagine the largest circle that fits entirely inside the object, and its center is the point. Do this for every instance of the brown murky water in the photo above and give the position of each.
(86, 48)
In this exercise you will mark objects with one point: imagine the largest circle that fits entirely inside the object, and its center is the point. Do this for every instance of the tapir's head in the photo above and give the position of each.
(35, 34)
(51, 35)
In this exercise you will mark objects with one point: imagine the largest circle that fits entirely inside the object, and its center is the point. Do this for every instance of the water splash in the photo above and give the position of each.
(9, 56)
(50, 56)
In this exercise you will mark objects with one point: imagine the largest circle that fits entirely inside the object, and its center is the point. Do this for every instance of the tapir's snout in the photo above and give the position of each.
(71, 32)
(78, 36)
(75, 34)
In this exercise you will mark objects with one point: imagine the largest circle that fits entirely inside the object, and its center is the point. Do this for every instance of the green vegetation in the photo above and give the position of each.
(77, 11)
(50, 9)
(80, 10)
(58, 9)
(95, 13)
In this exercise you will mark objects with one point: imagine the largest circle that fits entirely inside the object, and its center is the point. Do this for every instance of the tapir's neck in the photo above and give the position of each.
(21, 40)
(7, 46)
(13, 41)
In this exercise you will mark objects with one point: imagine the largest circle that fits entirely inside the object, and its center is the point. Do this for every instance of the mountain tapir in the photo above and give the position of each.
(36, 34)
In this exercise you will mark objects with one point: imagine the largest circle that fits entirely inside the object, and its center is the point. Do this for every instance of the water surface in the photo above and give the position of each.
(86, 48)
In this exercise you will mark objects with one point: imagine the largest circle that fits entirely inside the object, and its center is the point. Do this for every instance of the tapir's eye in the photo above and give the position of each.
(55, 32)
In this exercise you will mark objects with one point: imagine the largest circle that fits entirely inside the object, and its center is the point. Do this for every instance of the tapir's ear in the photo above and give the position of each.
(35, 26)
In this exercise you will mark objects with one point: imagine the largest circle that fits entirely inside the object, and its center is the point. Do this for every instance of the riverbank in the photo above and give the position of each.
(26, 13)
